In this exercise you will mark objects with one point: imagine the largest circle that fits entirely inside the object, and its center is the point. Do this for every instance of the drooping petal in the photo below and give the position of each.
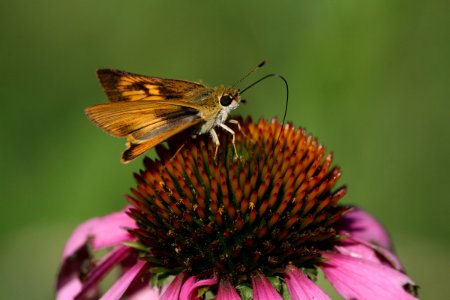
(101, 269)
(103, 232)
(146, 293)
(122, 284)
(356, 278)
(363, 249)
(227, 292)
(351, 248)
(190, 287)
(187, 285)
(301, 287)
(389, 257)
(363, 226)
(69, 284)
(70, 289)
(262, 289)
(173, 291)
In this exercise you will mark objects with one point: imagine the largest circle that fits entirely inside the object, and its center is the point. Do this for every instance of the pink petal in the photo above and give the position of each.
(301, 287)
(190, 287)
(122, 284)
(96, 274)
(363, 226)
(146, 293)
(358, 250)
(69, 290)
(227, 291)
(362, 249)
(173, 291)
(68, 284)
(103, 231)
(262, 289)
(187, 285)
(389, 257)
(356, 278)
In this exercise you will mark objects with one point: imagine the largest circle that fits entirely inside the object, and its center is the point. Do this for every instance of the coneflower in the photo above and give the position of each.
(258, 226)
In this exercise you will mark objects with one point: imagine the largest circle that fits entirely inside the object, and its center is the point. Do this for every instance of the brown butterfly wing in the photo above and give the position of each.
(144, 123)
(125, 86)
(137, 147)
(123, 118)
(144, 139)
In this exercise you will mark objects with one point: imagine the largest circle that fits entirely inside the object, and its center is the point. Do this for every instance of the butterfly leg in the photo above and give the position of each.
(215, 139)
(178, 151)
(241, 131)
(233, 139)
(237, 124)
(240, 128)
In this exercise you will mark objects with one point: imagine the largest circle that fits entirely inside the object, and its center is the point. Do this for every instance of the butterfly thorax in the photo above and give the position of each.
(220, 103)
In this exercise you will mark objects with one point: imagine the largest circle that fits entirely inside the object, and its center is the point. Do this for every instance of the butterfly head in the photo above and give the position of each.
(230, 98)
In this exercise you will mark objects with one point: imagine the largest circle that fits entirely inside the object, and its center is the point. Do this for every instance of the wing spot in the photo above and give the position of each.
(154, 90)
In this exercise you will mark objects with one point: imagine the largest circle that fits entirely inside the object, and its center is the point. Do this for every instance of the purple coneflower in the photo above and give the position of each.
(260, 226)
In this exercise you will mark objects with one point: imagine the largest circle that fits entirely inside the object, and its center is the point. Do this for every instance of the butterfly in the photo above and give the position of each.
(149, 110)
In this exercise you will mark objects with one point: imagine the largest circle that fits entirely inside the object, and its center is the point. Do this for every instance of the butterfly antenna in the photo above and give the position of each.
(287, 95)
(251, 72)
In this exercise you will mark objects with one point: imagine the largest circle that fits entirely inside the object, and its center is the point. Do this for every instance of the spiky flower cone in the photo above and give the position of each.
(272, 206)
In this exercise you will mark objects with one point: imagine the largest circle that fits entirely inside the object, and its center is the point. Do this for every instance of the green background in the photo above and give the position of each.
(370, 78)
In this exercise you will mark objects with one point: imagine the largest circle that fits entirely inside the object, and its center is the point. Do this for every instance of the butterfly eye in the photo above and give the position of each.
(225, 100)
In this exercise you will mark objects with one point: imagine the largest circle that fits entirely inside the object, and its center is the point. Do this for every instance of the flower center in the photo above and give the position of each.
(271, 207)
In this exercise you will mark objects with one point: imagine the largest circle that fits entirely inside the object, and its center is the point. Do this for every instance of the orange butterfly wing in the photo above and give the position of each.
(125, 86)
(144, 123)
(146, 110)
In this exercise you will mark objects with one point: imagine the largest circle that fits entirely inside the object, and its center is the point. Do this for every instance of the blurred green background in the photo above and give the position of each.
(370, 78)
